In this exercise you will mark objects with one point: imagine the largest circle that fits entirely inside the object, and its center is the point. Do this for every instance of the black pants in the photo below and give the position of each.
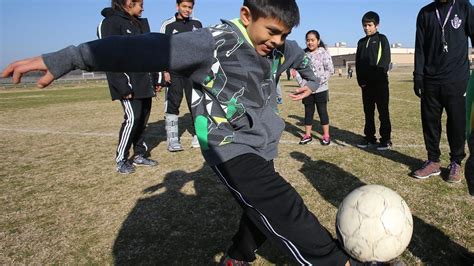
(274, 210)
(321, 102)
(137, 112)
(450, 97)
(174, 96)
(376, 94)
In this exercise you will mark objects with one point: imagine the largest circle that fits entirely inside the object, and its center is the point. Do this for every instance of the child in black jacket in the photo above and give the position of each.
(372, 63)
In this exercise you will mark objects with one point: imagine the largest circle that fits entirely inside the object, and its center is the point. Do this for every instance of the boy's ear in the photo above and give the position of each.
(245, 16)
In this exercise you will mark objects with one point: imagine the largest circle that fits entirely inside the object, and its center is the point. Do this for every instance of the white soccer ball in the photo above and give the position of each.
(374, 224)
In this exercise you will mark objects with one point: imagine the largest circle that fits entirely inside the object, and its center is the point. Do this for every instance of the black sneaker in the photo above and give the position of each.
(384, 145)
(141, 160)
(366, 144)
(125, 167)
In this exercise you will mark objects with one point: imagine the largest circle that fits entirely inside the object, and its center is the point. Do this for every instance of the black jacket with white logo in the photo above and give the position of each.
(122, 84)
(372, 59)
(431, 63)
(175, 25)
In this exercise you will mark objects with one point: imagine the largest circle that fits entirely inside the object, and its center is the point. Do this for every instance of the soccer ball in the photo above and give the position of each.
(374, 224)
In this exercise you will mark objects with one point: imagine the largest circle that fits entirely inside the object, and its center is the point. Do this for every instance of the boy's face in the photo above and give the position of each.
(185, 9)
(266, 33)
(369, 28)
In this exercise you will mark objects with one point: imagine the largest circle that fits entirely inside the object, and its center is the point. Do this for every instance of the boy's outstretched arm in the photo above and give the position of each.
(18, 68)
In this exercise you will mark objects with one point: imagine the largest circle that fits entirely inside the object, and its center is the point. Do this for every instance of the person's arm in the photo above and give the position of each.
(385, 58)
(328, 67)
(151, 52)
(302, 65)
(419, 56)
(360, 79)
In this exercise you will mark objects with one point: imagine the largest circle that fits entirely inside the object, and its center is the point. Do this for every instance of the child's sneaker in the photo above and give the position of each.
(195, 142)
(305, 140)
(141, 160)
(174, 145)
(384, 145)
(326, 140)
(367, 144)
(125, 167)
(429, 168)
(455, 175)
(228, 261)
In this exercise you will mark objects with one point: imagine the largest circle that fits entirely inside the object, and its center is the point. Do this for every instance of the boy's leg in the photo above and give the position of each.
(431, 112)
(139, 141)
(278, 211)
(128, 130)
(188, 93)
(454, 102)
(246, 241)
(368, 100)
(384, 113)
(174, 96)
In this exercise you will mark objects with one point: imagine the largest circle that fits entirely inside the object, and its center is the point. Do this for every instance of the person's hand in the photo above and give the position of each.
(418, 86)
(301, 93)
(293, 73)
(18, 68)
(167, 77)
(128, 97)
(158, 88)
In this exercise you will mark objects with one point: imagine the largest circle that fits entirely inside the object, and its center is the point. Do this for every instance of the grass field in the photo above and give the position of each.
(62, 202)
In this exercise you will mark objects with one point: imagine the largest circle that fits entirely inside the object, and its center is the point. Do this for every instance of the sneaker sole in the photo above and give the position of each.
(384, 149)
(454, 181)
(124, 173)
(428, 176)
(146, 165)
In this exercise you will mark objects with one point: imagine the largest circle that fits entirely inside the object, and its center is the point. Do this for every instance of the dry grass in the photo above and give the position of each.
(62, 202)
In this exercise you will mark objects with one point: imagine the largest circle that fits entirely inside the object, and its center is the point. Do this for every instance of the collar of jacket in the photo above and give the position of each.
(184, 20)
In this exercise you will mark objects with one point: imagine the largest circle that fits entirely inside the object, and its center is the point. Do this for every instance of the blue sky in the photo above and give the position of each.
(32, 27)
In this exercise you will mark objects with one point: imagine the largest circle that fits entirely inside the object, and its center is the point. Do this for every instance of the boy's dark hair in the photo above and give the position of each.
(284, 10)
(371, 16)
(180, 1)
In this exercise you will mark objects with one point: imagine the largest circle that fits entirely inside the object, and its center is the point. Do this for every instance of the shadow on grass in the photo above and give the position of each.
(428, 243)
(344, 137)
(174, 224)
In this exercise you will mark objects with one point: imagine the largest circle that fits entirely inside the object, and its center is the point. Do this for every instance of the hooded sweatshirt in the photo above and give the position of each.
(125, 83)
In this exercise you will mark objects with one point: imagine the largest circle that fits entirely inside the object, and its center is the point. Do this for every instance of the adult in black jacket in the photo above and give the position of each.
(180, 22)
(133, 90)
(372, 63)
(440, 80)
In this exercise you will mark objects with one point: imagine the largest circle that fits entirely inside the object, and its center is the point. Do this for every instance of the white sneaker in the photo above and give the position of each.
(195, 142)
(174, 145)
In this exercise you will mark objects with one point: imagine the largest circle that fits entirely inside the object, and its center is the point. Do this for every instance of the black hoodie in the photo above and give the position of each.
(123, 84)
(432, 64)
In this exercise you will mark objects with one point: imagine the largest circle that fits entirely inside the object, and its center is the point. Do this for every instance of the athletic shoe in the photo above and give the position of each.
(428, 169)
(141, 160)
(125, 167)
(385, 145)
(455, 175)
(305, 140)
(366, 144)
(326, 141)
(228, 261)
(174, 145)
(195, 142)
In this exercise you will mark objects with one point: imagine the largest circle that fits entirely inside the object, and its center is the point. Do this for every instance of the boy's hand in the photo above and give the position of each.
(301, 93)
(18, 68)
(418, 86)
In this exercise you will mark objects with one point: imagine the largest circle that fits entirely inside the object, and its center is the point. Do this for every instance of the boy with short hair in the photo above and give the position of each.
(180, 22)
(372, 63)
(235, 115)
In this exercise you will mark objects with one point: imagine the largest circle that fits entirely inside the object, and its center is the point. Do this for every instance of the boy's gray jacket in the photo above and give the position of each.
(235, 106)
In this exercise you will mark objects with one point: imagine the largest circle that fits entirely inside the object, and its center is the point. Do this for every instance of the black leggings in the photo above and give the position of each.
(321, 102)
